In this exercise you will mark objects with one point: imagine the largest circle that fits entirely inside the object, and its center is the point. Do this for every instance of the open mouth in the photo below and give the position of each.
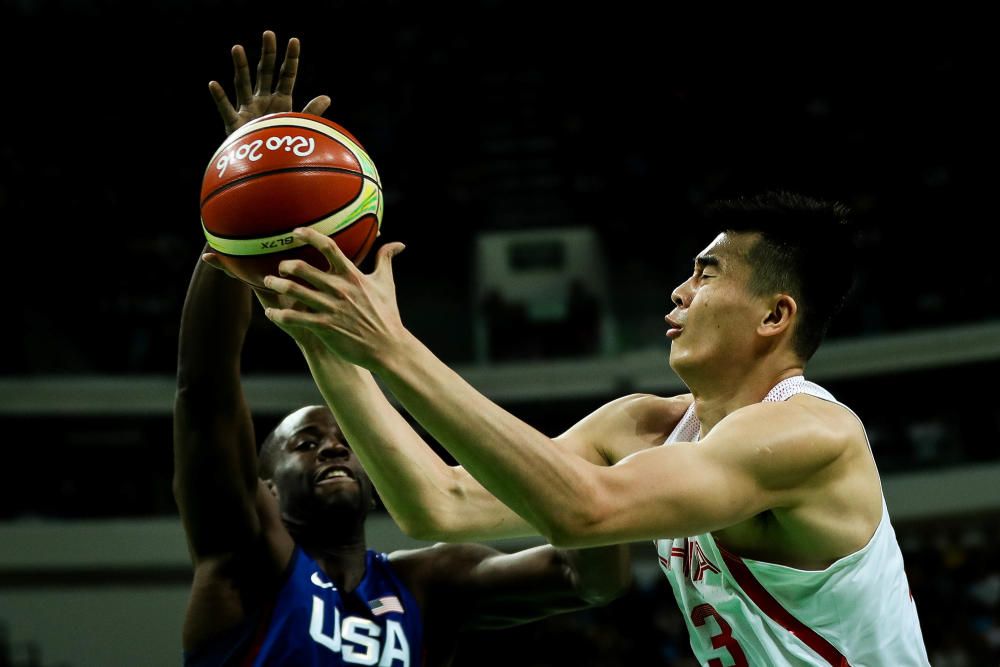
(334, 474)
(675, 328)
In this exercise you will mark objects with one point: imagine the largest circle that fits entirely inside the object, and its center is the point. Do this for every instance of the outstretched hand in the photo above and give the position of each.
(254, 102)
(260, 101)
(355, 314)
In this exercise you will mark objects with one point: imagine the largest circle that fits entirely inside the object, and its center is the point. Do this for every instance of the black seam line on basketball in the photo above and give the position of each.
(219, 252)
(289, 230)
(373, 228)
(285, 170)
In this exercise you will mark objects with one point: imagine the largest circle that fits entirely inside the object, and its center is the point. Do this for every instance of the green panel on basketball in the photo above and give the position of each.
(284, 171)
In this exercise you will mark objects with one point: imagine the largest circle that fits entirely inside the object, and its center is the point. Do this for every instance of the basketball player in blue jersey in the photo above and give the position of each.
(282, 573)
(758, 489)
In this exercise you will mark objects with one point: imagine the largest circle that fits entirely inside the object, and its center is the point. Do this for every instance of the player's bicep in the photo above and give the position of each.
(760, 459)
(673, 491)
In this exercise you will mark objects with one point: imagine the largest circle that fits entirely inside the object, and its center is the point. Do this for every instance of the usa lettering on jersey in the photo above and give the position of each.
(358, 640)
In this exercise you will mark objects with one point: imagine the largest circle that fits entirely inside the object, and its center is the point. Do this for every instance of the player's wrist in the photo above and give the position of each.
(396, 351)
(310, 345)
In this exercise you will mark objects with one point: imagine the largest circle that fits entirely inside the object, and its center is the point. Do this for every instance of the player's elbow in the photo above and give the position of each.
(424, 531)
(581, 526)
(568, 537)
(452, 510)
(429, 520)
(583, 513)
(418, 525)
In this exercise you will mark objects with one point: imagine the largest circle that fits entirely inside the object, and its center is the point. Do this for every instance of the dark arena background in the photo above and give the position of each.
(544, 167)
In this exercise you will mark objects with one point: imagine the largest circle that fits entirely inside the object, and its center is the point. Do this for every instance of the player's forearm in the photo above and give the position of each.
(522, 467)
(215, 472)
(214, 321)
(427, 498)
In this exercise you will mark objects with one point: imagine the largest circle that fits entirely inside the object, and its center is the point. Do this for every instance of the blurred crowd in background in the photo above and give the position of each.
(505, 124)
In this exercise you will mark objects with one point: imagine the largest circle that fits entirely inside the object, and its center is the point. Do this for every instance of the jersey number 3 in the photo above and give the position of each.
(725, 637)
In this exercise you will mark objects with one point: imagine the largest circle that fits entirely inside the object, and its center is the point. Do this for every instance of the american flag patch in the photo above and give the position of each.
(384, 605)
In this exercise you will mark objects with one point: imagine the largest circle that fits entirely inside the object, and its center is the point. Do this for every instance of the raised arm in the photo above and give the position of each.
(235, 536)
(432, 500)
(215, 459)
(571, 501)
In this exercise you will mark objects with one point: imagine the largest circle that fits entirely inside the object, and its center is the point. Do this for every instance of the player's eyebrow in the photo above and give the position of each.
(701, 261)
(312, 428)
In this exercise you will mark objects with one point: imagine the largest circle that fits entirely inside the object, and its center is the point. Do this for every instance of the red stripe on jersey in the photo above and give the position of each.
(260, 634)
(753, 588)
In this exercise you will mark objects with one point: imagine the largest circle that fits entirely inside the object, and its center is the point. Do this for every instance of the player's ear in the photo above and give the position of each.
(778, 318)
(272, 488)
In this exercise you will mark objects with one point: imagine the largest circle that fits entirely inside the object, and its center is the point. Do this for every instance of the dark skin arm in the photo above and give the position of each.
(235, 536)
(234, 533)
(473, 586)
(215, 458)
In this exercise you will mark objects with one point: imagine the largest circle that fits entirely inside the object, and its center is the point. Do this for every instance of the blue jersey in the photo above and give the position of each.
(312, 624)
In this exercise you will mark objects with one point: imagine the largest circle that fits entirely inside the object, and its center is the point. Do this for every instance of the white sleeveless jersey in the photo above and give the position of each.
(857, 612)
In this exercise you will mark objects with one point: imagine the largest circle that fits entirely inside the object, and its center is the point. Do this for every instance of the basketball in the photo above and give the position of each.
(280, 172)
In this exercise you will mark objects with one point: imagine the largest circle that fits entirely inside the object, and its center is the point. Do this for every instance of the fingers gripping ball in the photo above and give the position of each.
(283, 171)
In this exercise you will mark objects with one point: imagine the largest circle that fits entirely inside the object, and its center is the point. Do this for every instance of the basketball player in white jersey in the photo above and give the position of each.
(765, 504)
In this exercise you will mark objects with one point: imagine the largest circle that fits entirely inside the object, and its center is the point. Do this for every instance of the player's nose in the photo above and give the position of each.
(681, 295)
(331, 448)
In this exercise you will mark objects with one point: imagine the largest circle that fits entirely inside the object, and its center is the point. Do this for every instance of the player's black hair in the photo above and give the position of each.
(806, 250)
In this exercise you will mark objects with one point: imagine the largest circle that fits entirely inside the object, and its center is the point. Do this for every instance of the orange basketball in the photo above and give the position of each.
(283, 171)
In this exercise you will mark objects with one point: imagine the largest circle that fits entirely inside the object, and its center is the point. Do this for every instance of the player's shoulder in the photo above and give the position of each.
(678, 403)
(807, 424)
(802, 410)
(823, 418)
(647, 408)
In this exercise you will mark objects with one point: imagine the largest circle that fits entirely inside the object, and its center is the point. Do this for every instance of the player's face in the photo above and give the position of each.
(317, 469)
(715, 315)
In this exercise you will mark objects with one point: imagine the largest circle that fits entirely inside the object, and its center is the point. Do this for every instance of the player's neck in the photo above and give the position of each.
(340, 553)
(343, 564)
(721, 396)
(334, 540)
